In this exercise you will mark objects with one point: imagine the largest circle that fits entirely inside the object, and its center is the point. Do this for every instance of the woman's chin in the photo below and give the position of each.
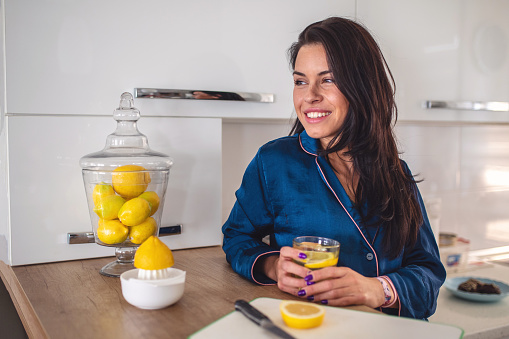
(313, 133)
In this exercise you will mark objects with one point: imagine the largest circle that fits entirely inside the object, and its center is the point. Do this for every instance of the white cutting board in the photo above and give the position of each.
(338, 323)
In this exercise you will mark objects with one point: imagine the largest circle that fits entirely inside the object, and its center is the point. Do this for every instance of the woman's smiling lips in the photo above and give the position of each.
(316, 115)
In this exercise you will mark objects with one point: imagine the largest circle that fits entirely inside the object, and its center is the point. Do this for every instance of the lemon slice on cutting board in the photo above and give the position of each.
(300, 314)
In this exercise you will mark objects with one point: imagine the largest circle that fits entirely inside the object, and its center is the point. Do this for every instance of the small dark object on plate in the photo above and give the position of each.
(476, 286)
(471, 285)
(489, 289)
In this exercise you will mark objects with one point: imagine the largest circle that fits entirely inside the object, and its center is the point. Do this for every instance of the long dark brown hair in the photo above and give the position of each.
(363, 76)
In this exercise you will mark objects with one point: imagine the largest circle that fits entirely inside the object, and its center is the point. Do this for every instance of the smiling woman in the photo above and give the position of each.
(320, 105)
(338, 176)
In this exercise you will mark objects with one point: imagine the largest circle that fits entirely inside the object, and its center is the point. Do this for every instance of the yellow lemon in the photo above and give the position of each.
(129, 182)
(141, 232)
(100, 191)
(299, 314)
(153, 254)
(109, 206)
(319, 259)
(134, 212)
(153, 200)
(112, 232)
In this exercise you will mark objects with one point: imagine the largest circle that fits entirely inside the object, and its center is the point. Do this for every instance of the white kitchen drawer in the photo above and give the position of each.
(443, 51)
(47, 196)
(74, 57)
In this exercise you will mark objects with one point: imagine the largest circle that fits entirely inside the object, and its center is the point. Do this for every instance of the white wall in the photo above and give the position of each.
(240, 144)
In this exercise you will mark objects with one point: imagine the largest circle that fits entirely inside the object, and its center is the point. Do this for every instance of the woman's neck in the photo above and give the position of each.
(342, 165)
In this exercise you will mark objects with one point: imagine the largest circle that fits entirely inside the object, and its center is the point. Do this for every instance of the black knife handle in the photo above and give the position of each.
(250, 312)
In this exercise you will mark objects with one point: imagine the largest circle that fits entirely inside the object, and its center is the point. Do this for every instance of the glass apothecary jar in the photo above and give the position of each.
(125, 185)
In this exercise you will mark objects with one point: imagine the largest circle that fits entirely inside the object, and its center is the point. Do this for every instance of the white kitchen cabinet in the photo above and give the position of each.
(73, 57)
(47, 196)
(455, 50)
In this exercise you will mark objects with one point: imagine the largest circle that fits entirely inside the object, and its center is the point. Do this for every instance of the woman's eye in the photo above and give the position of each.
(329, 80)
(298, 82)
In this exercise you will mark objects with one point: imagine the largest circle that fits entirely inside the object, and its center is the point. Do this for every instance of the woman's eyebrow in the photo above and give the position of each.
(302, 74)
(324, 72)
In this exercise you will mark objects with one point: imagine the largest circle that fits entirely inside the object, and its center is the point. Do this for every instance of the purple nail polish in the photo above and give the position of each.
(301, 293)
(302, 255)
(311, 298)
(324, 302)
(308, 277)
(309, 283)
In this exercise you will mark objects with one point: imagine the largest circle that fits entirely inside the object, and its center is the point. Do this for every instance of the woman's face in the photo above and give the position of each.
(320, 105)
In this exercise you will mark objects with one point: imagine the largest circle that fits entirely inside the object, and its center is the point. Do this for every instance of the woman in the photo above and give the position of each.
(338, 176)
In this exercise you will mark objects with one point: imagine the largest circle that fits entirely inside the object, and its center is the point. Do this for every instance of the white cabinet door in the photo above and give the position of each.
(456, 50)
(47, 195)
(75, 57)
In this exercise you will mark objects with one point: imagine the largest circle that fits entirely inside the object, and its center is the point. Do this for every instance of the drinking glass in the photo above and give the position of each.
(320, 252)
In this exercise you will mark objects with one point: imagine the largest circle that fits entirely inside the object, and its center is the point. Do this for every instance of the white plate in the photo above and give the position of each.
(453, 283)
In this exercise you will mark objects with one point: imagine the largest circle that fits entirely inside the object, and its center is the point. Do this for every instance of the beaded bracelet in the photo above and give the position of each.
(387, 292)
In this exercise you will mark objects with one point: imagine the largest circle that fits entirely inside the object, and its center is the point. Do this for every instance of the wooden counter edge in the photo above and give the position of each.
(26, 312)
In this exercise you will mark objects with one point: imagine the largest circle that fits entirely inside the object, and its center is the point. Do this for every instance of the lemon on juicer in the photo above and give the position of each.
(134, 212)
(143, 231)
(129, 182)
(152, 259)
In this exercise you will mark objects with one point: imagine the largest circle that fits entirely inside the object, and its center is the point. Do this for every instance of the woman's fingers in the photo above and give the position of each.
(288, 265)
(341, 286)
(291, 253)
(290, 274)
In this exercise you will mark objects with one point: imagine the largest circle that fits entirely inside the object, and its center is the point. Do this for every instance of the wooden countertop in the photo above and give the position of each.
(73, 300)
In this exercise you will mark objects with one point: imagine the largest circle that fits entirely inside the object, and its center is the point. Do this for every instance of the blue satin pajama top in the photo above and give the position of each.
(288, 191)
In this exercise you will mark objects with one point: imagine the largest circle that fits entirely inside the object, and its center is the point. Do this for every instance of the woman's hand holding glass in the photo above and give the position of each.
(336, 286)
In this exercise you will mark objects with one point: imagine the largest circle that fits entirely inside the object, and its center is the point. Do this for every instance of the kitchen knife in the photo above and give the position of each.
(260, 319)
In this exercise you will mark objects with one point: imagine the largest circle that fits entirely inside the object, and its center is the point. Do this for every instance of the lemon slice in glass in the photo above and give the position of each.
(299, 314)
(319, 259)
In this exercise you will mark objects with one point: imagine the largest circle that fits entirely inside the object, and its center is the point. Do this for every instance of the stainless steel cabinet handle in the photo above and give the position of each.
(80, 238)
(88, 237)
(201, 95)
(493, 106)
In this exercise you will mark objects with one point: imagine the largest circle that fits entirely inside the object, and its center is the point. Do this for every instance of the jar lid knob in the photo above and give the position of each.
(126, 109)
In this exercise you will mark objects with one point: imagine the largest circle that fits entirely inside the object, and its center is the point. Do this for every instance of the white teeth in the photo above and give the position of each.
(314, 115)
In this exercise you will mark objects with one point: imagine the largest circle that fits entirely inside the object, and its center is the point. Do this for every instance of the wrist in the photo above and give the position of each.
(389, 295)
(268, 266)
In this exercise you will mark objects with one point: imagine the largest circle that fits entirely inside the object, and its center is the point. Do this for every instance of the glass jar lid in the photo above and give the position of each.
(126, 146)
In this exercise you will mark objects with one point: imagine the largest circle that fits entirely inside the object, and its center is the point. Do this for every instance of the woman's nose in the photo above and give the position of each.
(313, 94)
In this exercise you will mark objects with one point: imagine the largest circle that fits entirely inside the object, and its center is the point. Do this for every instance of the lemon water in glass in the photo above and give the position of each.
(320, 252)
